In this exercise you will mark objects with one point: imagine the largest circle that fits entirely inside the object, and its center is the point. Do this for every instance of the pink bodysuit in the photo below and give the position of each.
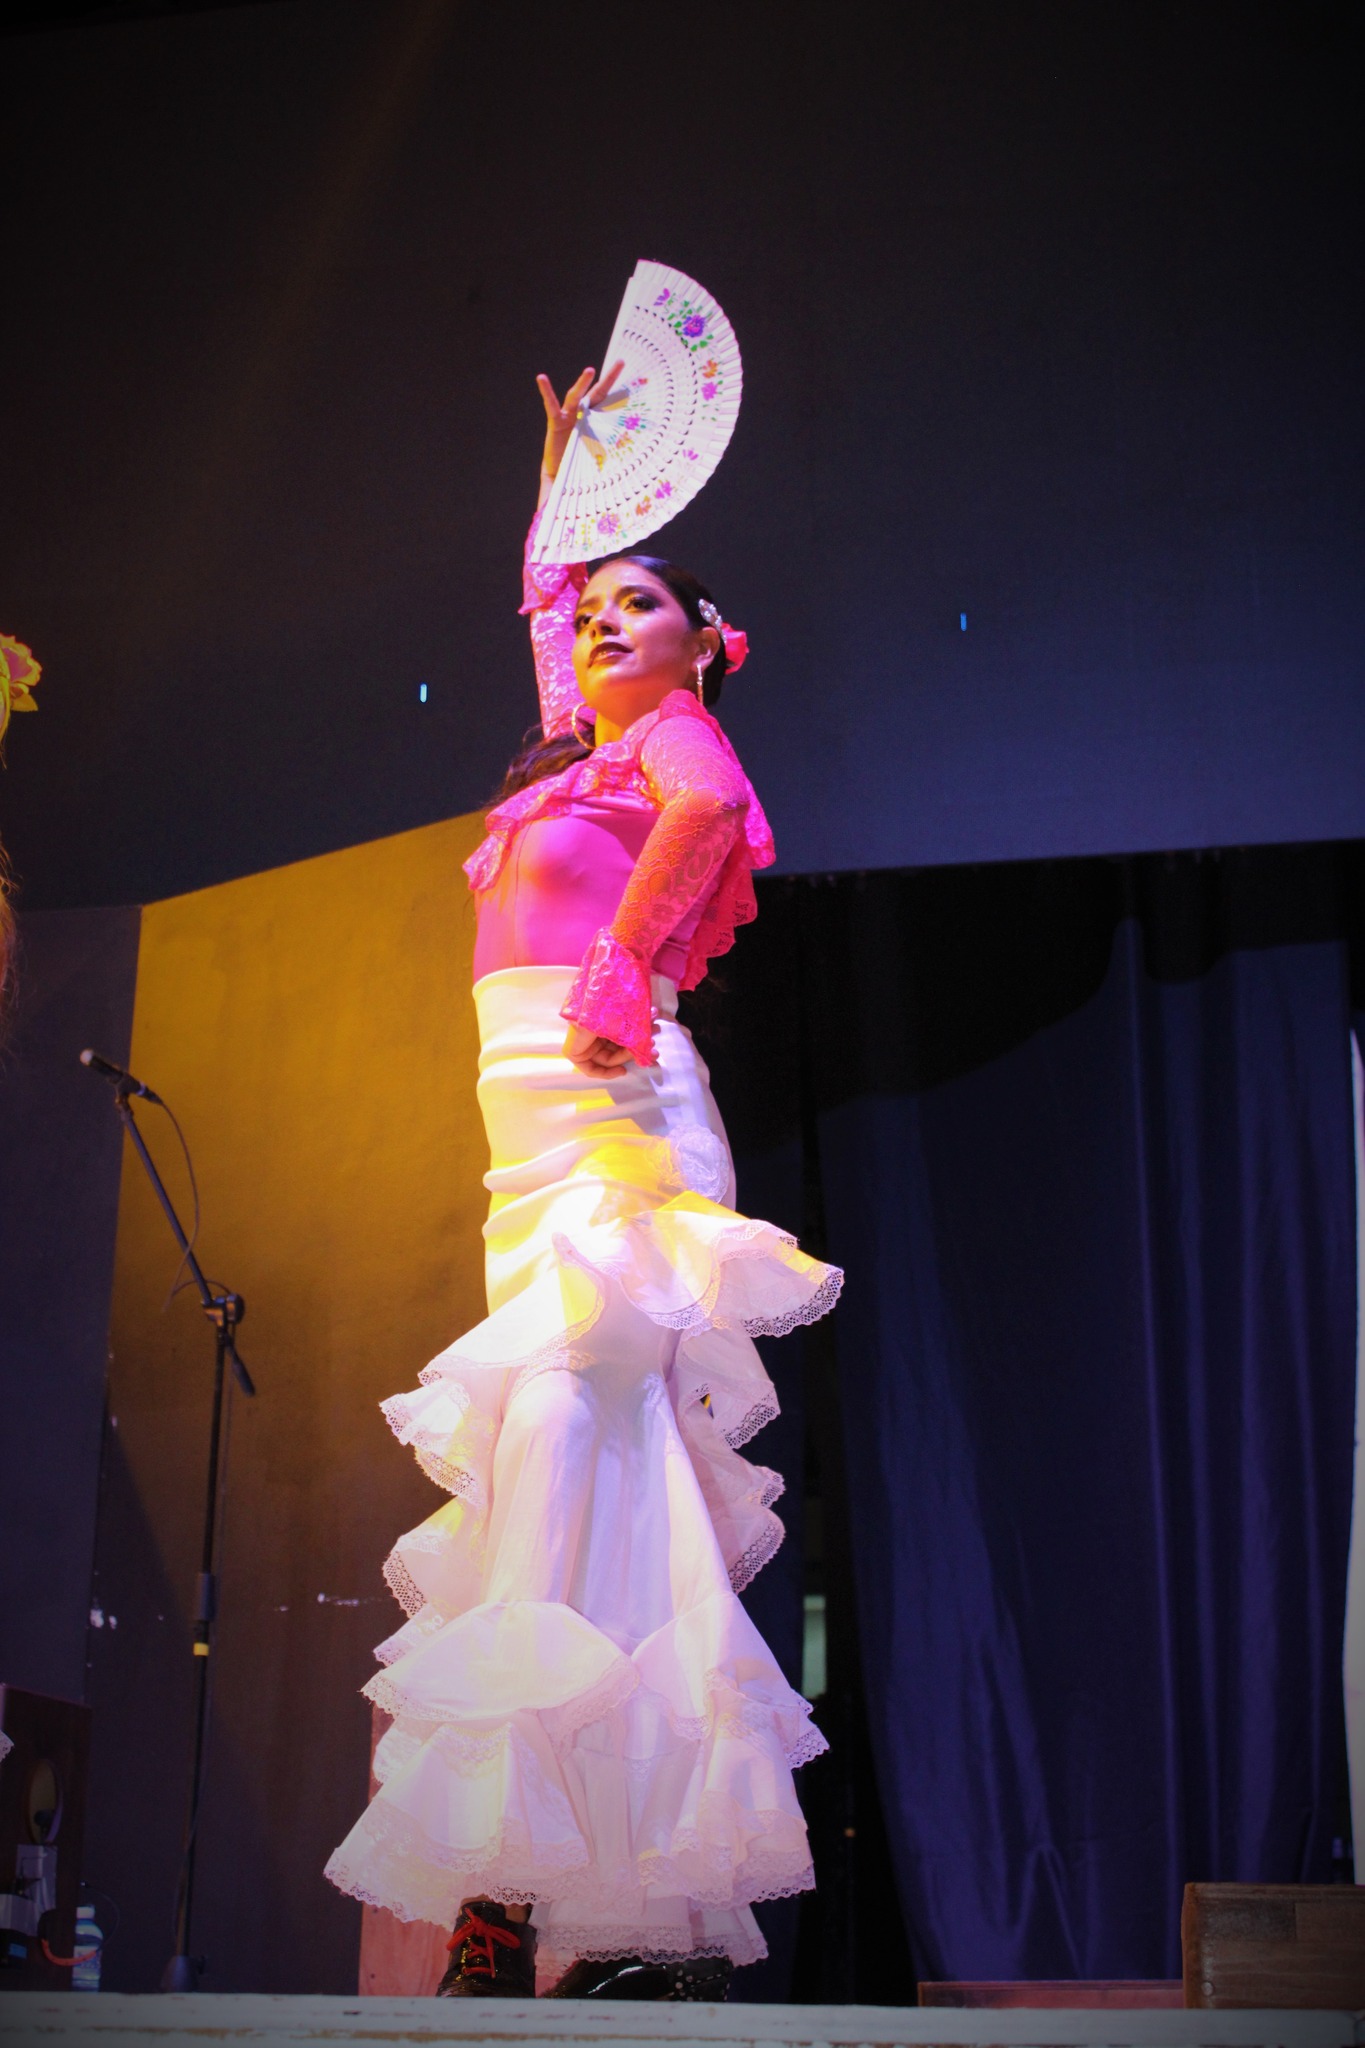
(637, 860)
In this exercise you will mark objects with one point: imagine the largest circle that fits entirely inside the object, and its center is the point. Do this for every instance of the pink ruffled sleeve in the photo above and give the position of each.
(703, 795)
(549, 594)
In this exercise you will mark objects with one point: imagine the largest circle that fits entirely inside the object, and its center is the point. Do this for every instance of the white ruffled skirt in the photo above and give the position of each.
(583, 1714)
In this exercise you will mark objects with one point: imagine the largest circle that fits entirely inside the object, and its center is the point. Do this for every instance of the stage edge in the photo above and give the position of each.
(110, 2020)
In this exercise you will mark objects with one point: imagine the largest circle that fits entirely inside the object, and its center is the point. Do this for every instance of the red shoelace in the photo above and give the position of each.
(480, 1935)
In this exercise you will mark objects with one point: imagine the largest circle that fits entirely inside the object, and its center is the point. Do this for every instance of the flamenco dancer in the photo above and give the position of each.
(589, 1768)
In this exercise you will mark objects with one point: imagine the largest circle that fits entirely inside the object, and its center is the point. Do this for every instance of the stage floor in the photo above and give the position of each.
(110, 2020)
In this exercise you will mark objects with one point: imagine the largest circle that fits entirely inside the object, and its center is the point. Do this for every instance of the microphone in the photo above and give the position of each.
(126, 1083)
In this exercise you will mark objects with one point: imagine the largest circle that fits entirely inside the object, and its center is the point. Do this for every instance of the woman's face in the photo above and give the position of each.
(633, 643)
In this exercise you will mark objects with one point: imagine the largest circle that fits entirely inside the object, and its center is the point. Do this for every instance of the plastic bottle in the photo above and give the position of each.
(89, 1943)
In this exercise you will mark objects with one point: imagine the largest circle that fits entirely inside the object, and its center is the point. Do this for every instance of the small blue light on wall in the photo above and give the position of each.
(422, 688)
(961, 620)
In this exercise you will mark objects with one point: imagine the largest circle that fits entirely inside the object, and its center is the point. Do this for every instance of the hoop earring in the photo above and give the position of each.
(588, 738)
(699, 669)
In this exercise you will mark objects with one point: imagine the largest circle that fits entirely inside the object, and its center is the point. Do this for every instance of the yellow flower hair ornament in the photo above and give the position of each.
(18, 674)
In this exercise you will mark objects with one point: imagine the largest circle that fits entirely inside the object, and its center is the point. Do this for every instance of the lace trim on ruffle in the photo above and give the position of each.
(751, 1239)
(400, 1841)
(728, 1711)
(469, 1756)
(426, 1539)
(448, 1456)
(758, 1417)
(562, 1724)
(750, 1562)
(403, 1586)
(613, 1689)
(400, 1415)
(435, 1541)
(603, 1944)
(382, 1692)
(559, 1350)
(454, 1478)
(820, 1304)
(395, 1748)
(409, 1882)
(755, 1240)
(760, 1873)
(811, 1745)
(773, 1488)
(550, 1358)
(765, 1546)
(418, 1629)
(429, 1446)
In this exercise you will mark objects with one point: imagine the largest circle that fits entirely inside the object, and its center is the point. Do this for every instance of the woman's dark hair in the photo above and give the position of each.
(540, 757)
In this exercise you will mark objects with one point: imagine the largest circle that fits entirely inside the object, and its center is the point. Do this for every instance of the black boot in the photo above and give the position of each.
(490, 1955)
(694, 1979)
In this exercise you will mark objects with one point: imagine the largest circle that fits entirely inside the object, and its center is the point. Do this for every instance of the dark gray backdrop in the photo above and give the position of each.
(1050, 317)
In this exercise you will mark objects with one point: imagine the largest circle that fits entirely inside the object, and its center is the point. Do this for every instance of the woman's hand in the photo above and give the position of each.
(599, 1058)
(560, 418)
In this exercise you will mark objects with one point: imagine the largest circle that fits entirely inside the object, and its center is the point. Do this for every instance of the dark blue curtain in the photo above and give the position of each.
(1080, 1133)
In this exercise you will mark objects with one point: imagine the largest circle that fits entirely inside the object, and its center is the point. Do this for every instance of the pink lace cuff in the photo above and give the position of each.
(610, 995)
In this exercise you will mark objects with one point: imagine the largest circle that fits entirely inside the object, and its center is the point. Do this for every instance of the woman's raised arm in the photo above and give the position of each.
(550, 589)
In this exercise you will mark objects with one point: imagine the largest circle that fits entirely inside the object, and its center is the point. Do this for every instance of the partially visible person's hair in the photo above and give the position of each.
(538, 758)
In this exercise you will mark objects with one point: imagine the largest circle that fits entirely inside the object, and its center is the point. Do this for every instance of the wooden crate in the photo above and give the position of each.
(1059, 1994)
(1274, 1945)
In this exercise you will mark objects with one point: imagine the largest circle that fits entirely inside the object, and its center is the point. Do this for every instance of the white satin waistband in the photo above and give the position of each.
(517, 997)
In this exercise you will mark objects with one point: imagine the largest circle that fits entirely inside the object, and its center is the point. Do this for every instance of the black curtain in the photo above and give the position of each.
(1081, 1135)
(61, 1153)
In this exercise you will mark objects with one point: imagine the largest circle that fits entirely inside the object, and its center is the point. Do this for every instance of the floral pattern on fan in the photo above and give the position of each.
(638, 457)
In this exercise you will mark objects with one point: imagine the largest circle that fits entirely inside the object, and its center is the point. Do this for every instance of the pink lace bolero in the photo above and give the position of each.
(710, 835)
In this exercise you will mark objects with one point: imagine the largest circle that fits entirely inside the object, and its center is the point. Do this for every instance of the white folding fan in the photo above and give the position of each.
(636, 458)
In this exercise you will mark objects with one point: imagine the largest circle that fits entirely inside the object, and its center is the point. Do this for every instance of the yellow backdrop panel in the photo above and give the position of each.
(314, 1032)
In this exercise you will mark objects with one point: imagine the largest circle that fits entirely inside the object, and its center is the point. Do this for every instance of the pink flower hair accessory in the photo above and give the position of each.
(736, 643)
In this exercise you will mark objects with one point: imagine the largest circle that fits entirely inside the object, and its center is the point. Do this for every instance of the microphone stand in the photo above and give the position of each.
(225, 1312)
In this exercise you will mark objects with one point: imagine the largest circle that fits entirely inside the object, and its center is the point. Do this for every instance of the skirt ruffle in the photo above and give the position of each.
(531, 1759)
(583, 1714)
(690, 1266)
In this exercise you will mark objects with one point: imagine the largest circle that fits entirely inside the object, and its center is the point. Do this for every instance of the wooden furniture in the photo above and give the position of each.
(1073, 1994)
(1274, 1945)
